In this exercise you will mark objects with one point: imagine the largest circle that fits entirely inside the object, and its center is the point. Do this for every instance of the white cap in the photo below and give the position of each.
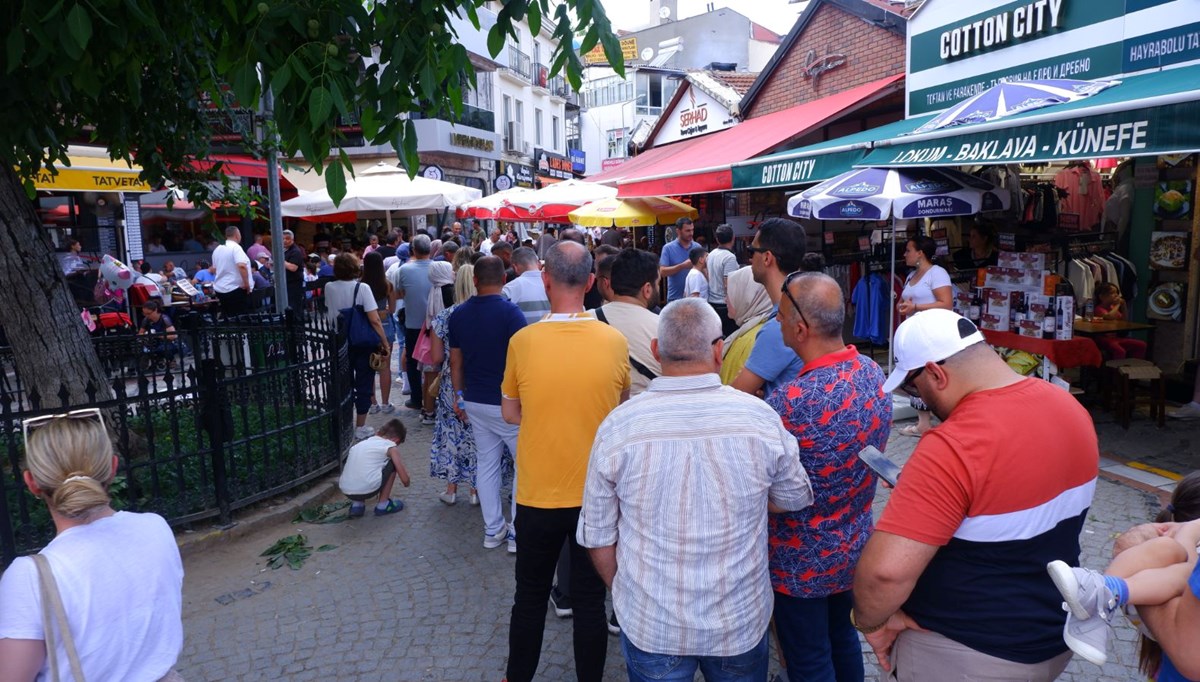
(929, 336)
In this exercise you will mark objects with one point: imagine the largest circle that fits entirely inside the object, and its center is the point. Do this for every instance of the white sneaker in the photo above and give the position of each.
(1186, 412)
(388, 409)
(512, 540)
(363, 432)
(404, 389)
(1089, 605)
(374, 409)
(474, 499)
(448, 498)
(494, 541)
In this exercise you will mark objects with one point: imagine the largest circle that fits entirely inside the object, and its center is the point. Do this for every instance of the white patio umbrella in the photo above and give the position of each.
(879, 193)
(386, 189)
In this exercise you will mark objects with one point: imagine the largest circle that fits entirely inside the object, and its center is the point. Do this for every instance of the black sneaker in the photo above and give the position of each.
(613, 626)
(561, 603)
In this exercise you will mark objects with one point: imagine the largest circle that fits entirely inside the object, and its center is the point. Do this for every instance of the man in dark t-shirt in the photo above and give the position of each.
(160, 340)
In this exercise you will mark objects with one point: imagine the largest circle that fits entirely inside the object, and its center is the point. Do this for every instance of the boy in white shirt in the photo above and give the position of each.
(372, 468)
(696, 284)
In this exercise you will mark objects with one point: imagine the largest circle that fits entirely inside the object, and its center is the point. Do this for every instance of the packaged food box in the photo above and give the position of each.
(992, 322)
(1031, 328)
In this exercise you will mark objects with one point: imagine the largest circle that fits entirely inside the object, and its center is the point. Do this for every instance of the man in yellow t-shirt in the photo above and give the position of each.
(562, 377)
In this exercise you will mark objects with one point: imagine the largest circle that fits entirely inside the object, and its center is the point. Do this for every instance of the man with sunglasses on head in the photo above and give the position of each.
(954, 576)
(834, 408)
(777, 249)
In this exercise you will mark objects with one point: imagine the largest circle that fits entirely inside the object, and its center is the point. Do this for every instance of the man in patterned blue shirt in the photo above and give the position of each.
(835, 407)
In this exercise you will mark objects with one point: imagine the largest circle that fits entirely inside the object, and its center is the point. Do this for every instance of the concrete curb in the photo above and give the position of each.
(322, 491)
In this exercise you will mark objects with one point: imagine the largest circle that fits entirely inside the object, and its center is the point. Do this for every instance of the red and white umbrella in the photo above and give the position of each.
(486, 208)
(554, 203)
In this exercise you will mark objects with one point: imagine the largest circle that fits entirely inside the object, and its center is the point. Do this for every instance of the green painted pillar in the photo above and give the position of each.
(1141, 224)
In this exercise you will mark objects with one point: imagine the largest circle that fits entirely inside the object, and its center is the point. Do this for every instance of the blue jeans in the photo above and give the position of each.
(644, 666)
(817, 640)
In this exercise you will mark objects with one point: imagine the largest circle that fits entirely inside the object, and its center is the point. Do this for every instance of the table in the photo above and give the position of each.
(1077, 352)
(1096, 327)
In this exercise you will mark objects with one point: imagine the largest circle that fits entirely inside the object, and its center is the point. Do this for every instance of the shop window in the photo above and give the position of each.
(654, 90)
(554, 132)
(616, 143)
(537, 126)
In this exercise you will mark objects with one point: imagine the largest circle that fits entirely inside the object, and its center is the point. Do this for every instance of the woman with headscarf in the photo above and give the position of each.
(749, 306)
(435, 251)
(441, 296)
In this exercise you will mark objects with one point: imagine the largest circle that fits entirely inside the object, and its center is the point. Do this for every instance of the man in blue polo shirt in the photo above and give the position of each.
(777, 250)
(674, 263)
(480, 328)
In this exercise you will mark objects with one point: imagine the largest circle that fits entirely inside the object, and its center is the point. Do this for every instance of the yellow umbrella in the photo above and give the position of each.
(634, 212)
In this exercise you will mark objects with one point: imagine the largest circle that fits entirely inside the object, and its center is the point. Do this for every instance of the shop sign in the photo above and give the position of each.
(629, 52)
(815, 66)
(89, 180)
(472, 142)
(1142, 132)
(696, 113)
(553, 165)
(578, 161)
(519, 175)
(609, 164)
(796, 171)
(1037, 40)
(432, 172)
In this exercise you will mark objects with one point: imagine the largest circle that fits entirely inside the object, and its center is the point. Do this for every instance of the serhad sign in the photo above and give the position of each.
(696, 113)
(553, 165)
(959, 49)
(609, 164)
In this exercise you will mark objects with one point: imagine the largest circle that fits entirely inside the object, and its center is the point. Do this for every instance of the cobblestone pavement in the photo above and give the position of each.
(415, 596)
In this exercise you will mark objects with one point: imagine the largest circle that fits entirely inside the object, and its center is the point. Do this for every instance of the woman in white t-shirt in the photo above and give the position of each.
(118, 573)
(927, 287)
(339, 295)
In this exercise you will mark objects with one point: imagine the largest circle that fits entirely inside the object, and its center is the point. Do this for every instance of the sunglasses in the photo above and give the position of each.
(29, 425)
(908, 386)
(786, 283)
(756, 249)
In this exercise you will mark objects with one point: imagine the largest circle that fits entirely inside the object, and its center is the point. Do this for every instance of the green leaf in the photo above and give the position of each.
(369, 123)
(534, 17)
(427, 82)
(495, 40)
(14, 47)
(411, 160)
(280, 78)
(326, 548)
(80, 25)
(320, 103)
(335, 181)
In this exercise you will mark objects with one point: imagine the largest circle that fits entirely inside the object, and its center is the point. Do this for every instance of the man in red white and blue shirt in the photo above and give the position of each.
(834, 407)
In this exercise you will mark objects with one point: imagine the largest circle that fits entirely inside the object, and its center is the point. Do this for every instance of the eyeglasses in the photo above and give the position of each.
(756, 249)
(29, 425)
(787, 282)
(908, 386)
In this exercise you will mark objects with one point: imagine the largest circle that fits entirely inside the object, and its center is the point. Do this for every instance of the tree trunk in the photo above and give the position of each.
(52, 349)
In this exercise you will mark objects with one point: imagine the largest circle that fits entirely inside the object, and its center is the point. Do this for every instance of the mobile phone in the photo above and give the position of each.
(880, 464)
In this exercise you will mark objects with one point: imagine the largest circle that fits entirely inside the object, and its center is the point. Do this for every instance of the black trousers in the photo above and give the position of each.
(234, 303)
(540, 537)
(411, 368)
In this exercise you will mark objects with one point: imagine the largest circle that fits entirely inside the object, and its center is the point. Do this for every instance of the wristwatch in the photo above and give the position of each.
(865, 630)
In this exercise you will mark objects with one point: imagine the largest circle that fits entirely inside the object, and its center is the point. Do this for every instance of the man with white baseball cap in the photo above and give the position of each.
(954, 576)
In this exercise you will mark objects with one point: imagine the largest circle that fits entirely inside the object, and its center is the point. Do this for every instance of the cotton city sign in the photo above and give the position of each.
(998, 30)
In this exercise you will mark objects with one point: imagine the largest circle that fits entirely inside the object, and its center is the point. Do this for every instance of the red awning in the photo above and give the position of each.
(703, 164)
(242, 166)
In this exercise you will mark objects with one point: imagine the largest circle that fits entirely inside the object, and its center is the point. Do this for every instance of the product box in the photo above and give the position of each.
(1064, 308)
(999, 303)
(1031, 328)
(995, 323)
(1021, 260)
(962, 303)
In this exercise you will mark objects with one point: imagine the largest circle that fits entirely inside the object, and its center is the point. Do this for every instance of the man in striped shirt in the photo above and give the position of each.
(954, 578)
(688, 568)
(527, 289)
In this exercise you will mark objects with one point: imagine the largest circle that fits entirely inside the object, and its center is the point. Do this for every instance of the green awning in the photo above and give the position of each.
(1147, 115)
(815, 162)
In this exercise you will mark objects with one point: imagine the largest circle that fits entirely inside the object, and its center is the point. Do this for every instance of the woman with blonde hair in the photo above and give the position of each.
(117, 575)
(452, 452)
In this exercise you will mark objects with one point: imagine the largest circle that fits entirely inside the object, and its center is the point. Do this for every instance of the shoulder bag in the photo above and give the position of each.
(359, 331)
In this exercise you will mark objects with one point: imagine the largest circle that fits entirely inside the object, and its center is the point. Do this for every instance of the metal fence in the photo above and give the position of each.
(248, 409)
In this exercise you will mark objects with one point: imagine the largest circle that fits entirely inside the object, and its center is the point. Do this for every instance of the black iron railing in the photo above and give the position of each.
(520, 63)
(246, 410)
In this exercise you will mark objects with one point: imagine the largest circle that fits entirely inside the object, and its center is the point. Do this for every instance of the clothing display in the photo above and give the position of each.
(1085, 193)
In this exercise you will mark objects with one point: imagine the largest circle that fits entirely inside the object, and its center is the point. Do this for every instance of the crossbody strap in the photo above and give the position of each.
(637, 366)
(52, 604)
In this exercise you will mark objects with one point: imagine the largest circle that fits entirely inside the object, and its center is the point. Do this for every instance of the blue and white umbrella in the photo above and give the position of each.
(1013, 97)
(882, 193)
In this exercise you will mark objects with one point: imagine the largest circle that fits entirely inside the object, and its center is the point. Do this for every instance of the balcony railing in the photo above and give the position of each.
(472, 117)
(519, 63)
(559, 87)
